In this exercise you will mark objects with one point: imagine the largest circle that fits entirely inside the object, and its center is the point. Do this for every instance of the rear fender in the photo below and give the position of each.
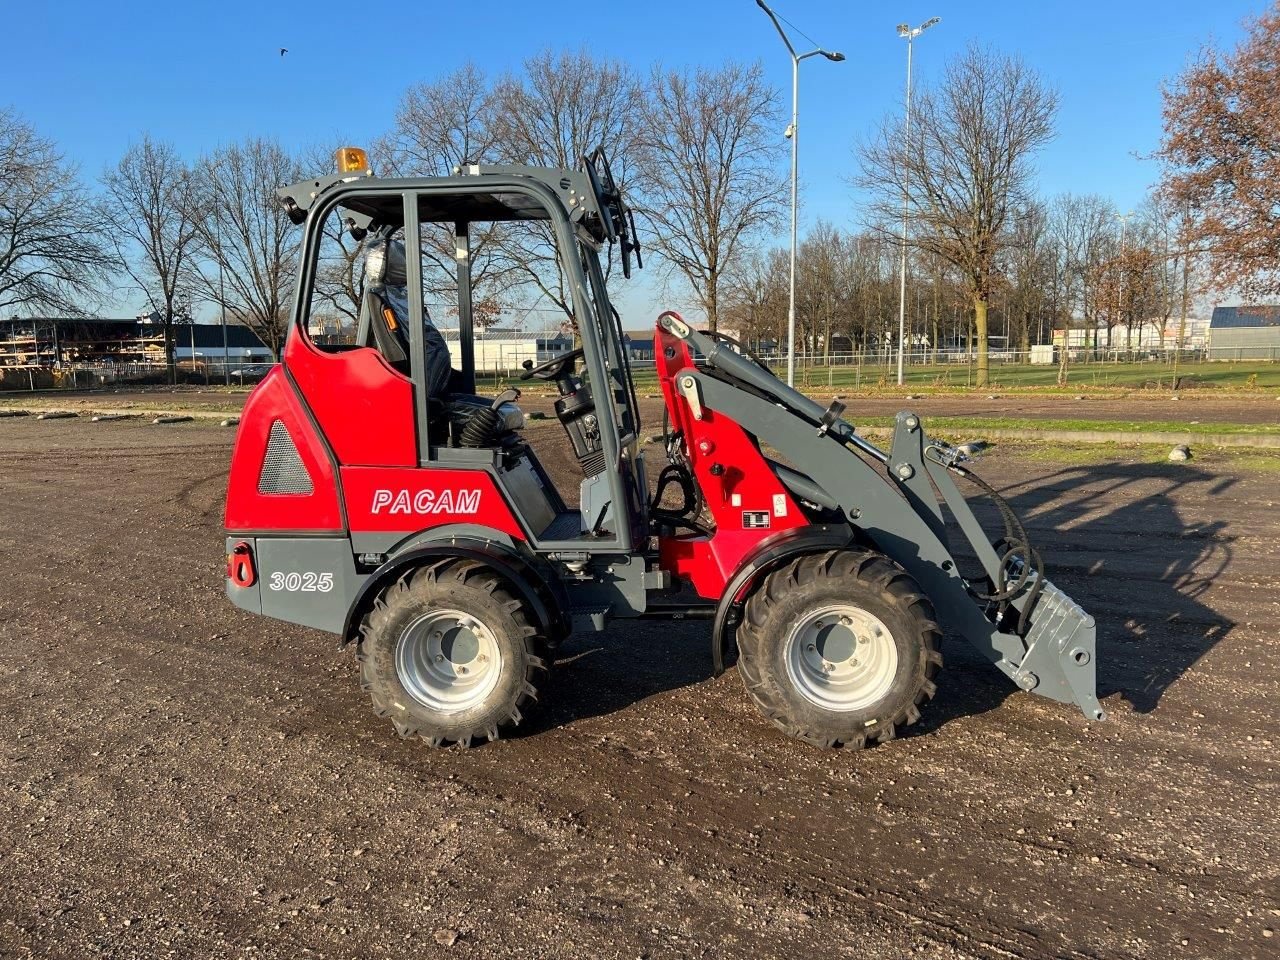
(544, 594)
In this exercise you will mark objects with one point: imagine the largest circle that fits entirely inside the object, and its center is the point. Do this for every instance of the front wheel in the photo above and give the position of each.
(450, 655)
(839, 649)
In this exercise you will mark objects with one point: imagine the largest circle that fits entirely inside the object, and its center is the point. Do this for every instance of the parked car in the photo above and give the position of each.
(251, 372)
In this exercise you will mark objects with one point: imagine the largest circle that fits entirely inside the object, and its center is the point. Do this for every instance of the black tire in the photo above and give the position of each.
(877, 586)
(515, 651)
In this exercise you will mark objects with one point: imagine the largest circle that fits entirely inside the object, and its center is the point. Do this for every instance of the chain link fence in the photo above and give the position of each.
(500, 356)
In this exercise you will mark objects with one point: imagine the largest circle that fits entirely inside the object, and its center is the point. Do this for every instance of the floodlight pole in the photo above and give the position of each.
(1124, 222)
(793, 132)
(910, 35)
(222, 305)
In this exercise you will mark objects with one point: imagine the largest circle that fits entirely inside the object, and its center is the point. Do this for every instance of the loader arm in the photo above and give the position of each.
(894, 504)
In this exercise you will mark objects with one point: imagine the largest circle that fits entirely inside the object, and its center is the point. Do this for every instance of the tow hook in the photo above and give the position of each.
(240, 567)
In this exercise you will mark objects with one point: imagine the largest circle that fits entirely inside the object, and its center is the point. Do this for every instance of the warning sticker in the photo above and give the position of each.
(756, 520)
(779, 504)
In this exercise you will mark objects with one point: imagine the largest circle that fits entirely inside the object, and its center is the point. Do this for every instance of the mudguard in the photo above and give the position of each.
(543, 594)
(770, 554)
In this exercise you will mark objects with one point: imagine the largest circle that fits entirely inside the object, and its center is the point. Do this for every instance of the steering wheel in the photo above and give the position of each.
(552, 369)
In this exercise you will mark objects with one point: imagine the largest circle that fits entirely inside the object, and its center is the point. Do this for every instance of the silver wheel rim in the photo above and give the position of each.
(448, 661)
(841, 657)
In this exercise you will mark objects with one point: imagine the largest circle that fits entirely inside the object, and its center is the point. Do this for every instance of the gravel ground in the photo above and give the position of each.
(183, 780)
(1257, 407)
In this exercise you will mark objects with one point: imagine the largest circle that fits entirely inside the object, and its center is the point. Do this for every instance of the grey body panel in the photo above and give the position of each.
(609, 587)
(529, 499)
(306, 580)
(597, 504)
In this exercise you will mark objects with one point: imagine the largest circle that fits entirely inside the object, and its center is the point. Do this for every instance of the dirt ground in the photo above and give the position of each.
(180, 779)
(1205, 406)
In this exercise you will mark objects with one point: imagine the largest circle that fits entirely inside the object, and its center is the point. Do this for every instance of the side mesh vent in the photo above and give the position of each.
(282, 469)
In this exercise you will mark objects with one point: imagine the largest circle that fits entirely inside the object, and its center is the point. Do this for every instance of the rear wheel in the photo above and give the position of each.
(839, 649)
(450, 655)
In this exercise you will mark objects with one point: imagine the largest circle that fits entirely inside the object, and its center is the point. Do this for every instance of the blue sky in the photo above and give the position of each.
(95, 76)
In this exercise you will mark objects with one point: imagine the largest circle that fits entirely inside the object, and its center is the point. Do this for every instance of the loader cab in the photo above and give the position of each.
(402, 395)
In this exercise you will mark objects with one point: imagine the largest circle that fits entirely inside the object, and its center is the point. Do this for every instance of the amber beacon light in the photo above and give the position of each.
(351, 160)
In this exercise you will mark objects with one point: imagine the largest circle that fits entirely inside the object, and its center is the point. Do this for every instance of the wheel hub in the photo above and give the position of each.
(448, 661)
(841, 657)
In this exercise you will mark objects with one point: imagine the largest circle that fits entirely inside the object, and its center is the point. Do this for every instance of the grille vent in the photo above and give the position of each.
(282, 469)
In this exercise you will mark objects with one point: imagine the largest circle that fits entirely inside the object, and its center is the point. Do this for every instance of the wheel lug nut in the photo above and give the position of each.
(812, 648)
(439, 658)
(462, 669)
(846, 620)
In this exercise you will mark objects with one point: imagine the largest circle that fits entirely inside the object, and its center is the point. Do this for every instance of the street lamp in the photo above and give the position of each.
(793, 134)
(909, 33)
(1128, 334)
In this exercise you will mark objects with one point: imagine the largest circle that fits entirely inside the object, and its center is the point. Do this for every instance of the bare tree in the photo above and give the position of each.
(1029, 269)
(965, 168)
(1221, 148)
(1083, 231)
(148, 207)
(54, 252)
(245, 234)
(562, 108)
(707, 172)
(441, 125)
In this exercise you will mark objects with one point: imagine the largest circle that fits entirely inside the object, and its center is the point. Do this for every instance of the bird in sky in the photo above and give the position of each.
(283, 51)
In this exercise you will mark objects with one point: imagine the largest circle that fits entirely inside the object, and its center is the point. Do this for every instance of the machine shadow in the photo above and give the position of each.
(1116, 539)
(603, 673)
(1112, 535)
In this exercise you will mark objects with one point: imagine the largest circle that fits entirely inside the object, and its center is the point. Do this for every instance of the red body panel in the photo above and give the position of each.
(247, 509)
(400, 500)
(363, 406)
(742, 493)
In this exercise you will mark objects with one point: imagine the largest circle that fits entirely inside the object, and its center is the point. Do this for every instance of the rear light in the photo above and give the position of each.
(240, 569)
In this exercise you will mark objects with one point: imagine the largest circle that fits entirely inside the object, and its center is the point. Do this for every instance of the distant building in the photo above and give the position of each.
(639, 343)
(204, 340)
(1156, 334)
(1245, 333)
(56, 342)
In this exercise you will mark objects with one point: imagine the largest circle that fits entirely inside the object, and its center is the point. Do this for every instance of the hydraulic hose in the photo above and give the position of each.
(1014, 542)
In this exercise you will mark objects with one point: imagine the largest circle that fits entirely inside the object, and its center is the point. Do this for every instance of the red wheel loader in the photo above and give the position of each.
(374, 495)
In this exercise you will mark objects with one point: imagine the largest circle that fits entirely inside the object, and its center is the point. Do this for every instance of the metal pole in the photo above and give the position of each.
(906, 186)
(222, 302)
(794, 133)
(1124, 222)
(795, 167)
(1186, 297)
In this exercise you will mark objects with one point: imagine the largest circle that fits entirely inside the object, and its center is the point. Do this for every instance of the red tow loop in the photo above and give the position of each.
(240, 569)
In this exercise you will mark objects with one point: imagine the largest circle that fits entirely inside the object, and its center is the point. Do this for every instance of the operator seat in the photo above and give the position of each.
(386, 304)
